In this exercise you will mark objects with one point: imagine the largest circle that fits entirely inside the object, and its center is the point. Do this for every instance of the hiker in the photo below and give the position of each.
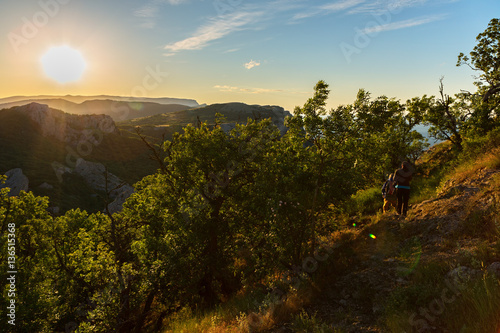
(403, 177)
(389, 193)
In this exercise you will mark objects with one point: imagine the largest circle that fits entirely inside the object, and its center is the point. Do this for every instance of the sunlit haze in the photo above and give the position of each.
(256, 52)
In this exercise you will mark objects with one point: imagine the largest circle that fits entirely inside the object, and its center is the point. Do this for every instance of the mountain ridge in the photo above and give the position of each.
(118, 110)
(83, 98)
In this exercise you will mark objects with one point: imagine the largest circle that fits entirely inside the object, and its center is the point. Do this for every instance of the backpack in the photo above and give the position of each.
(389, 189)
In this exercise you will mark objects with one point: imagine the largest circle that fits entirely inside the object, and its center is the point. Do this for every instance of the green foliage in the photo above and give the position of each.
(365, 202)
(485, 59)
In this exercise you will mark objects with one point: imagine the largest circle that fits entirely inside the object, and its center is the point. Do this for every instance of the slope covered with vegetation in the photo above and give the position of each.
(24, 145)
(254, 231)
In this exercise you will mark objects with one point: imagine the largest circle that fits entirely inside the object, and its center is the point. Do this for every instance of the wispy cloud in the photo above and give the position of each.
(225, 88)
(149, 12)
(327, 9)
(248, 15)
(216, 29)
(251, 64)
(403, 24)
(232, 50)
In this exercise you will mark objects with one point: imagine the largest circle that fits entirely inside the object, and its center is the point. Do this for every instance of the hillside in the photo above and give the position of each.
(41, 140)
(233, 113)
(166, 124)
(44, 142)
(437, 270)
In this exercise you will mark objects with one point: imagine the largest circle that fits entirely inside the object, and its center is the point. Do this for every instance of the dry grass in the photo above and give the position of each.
(490, 160)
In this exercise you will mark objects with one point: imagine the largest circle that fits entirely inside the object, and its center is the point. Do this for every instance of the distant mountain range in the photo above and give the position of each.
(119, 109)
(81, 99)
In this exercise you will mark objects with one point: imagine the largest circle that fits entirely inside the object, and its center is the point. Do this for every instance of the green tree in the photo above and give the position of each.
(196, 210)
(387, 135)
(447, 116)
(320, 146)
(484, 59)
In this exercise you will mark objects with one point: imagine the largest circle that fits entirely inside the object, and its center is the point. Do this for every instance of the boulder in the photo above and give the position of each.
(494, 269)
(46, 186)
(16, 181)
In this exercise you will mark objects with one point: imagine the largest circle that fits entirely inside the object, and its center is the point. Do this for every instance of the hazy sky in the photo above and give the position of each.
(257, 52)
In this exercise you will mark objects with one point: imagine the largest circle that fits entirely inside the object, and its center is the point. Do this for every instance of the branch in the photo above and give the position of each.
(156, 155)
(493, 90)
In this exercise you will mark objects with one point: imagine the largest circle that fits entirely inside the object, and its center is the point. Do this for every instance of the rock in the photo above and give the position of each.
(460, 276)
(122, 195)
(46, 186)
(280, 114)
(227, 127)
(69, 128)
(494, 269)
(16, 181)
(99, 179)
(54, 210)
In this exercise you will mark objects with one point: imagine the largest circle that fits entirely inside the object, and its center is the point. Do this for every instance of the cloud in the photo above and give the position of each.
(251, 64)
(376, 7)
(216, 29)
(175, 2)
(147, 11)
(402, 24)
(328, 9)
(232, 50)
(246, 16)
(226, 88)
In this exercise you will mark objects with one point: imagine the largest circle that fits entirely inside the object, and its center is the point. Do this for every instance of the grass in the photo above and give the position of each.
(477, 308)
(309, 323)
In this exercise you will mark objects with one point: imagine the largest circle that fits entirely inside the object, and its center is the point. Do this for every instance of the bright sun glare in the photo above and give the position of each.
(63, 64)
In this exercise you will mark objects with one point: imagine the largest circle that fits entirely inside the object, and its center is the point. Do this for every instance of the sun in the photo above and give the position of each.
(63, 64)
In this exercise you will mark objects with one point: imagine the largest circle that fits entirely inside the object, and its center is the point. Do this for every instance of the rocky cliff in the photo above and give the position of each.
(98, 178)
(66, 127)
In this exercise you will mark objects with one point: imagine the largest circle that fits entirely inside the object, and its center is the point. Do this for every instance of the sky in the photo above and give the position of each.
(255, 52)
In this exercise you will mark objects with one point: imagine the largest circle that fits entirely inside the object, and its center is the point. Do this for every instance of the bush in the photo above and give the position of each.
(367, 201)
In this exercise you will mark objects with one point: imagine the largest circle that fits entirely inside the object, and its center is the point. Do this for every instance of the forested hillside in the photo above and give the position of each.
(255, 230)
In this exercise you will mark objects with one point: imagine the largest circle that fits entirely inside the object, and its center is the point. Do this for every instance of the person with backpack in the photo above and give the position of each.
(403, 177)
(389, 193)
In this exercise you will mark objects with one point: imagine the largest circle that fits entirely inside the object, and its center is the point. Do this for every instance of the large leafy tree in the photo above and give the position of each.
(387, 135)
(197, 211)
(485, 60)
(322, 144)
